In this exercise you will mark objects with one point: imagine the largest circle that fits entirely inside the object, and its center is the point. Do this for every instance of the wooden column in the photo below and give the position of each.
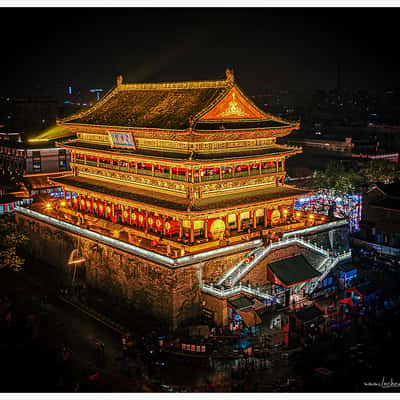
(152, 169)
(146, 229)
(220, 173)
(180, 229)
(227, 231)
(206, 229)
(233, 171)
(260, 167)
(238, 222)
(84, 159)
(112, 212)
(191, 232)
(98, 162)
(277, 165)
(254, 219)
(265, 217)
(170, 172)
(248, 169)
(136, 167)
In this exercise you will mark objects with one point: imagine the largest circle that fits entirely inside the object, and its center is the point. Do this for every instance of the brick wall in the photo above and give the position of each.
(169, 295)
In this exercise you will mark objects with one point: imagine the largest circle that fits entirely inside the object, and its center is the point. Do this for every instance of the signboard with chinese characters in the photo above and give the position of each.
(122, 139)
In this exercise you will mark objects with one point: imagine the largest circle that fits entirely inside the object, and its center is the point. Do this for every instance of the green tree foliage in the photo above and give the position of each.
(380, 171)
(10, 241)
(338, 180)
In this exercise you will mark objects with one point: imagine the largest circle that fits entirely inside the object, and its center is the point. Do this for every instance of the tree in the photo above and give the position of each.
(10, 242)
(380, 171)
(338, 181)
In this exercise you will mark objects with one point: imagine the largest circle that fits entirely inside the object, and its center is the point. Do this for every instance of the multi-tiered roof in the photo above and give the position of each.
(183, 149)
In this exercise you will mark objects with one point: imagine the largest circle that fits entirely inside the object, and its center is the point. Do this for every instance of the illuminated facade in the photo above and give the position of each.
(187, 175)
(191, 161)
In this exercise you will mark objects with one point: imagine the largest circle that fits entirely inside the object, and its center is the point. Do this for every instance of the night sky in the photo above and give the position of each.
(269, 48)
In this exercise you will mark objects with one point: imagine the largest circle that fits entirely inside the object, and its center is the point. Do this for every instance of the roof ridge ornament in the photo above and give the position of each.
(230, 75)
(119, 80)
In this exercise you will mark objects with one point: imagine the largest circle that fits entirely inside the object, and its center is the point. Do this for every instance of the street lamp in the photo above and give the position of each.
(75, 259)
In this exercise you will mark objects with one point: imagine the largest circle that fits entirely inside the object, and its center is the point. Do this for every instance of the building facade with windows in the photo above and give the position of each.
(171, 185)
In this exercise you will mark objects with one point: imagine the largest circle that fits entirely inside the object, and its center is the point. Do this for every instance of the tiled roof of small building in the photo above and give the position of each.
(293, 270)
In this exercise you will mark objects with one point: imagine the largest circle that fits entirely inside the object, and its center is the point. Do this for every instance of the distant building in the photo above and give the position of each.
(31, 158)
(380, 220)
(325, 144)
(391, 157)
(25, 168)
